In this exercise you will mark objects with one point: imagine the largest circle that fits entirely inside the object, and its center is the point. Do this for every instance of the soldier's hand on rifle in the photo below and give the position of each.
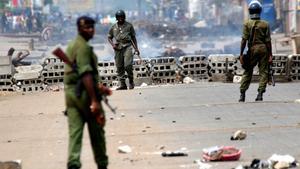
(97, 112)
(241, 59)
(270, 59)
(104, 90)
(115, 46)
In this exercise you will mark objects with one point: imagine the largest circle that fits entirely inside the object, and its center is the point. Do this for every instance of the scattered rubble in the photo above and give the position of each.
(202, 165)
(239, 135)
(124, 149)
(173, 153)
(188, 80)
(222, 153)
(16, 164)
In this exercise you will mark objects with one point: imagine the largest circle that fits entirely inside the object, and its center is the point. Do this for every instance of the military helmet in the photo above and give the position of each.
(255, 9)
(120, 13)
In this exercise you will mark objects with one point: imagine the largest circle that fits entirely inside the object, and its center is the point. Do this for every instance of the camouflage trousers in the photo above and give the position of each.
(76, 107)
(259, 55)
(124, 61)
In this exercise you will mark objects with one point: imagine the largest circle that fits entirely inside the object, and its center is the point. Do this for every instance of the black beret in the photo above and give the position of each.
(85, 21)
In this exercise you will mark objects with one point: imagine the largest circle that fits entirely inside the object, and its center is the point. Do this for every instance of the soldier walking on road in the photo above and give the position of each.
(124, 35)
(256, 33)
(84, 106)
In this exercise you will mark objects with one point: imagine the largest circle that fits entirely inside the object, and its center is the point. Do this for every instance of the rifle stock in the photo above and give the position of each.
(59, 53)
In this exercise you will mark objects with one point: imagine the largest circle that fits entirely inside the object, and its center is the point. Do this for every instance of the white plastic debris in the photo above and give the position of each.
(237, 79)
(239, 135)
(211, 150)
(239, 167)
(202, 165)
(144, 84)
(297, 101)
(124, 149)
(188, 80)
(281, 161)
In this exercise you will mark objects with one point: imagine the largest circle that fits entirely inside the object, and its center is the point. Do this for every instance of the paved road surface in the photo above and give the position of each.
(156, 119)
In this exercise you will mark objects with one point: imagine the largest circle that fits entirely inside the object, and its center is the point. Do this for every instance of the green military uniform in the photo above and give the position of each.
(123, 56)
(78, 107)
(259, 53)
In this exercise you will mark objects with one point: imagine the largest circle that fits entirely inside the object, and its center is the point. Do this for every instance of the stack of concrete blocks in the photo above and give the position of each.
(53, 71)
(28, 78)
(6, 71)
(294, 67)
(108, 73)
(194, 66)
(142, 72)
(281, 67)
(222, 67)
(163, 70)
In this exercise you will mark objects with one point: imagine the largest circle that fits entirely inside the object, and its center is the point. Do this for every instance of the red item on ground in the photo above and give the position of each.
(226, 153)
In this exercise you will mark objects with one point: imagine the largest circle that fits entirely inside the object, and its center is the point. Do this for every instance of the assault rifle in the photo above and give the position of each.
(58, 52)
(271, 80)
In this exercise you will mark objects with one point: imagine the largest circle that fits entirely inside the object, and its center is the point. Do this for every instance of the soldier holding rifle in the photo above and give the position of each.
(124, 35)
(84, 103)
(256, 33)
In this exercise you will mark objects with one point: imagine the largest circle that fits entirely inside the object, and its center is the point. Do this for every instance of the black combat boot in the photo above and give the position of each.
(73, 167)
(122, 87)
(131, 84)
(102, 167)
(259, 96)
(242, 97)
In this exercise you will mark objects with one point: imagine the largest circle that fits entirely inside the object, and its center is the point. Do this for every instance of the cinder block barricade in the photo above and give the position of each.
(6, 83)
(142, 71)
(222, 67)
(6, 72)
(194, 66)
(53, 71)
(163, 70)
(30, 85)
(108, 73)
(280, 67)
(294, 67)
(28, 78)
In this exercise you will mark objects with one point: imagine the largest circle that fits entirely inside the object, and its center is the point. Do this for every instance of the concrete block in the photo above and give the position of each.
(192, 58)
(6, 66)
(28, 72)
(221, 57)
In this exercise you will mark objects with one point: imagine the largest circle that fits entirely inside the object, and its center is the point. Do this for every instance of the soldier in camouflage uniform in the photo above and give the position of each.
(260, 50)
(124, 35)
(85, 106)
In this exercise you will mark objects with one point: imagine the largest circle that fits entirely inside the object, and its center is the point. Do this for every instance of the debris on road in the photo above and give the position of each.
(125, 149)
(144, 85)
(222, 153)
(202, 165)
(173, 153)
(188, 80)
(239, 135)
(282, 161)
(16, 164)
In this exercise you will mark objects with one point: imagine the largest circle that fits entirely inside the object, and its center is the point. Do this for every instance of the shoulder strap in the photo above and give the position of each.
(252, 35)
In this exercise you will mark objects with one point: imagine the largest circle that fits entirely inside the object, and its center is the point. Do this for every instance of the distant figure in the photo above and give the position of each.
(124, 34)
(17, 60)
(257, 33)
